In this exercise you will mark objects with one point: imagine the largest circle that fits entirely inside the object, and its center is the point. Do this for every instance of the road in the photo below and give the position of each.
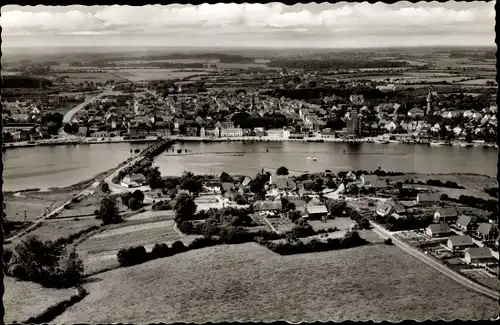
(68, 117)
(435, 264)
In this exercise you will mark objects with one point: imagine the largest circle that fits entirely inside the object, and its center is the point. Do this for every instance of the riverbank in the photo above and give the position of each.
(251, 139)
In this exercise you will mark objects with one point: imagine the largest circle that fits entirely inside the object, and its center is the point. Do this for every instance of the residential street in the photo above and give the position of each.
(435, 264)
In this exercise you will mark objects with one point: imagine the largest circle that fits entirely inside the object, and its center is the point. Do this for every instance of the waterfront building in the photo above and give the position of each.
(231, 132)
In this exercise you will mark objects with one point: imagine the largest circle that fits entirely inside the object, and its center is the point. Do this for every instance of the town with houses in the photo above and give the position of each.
(187, 109)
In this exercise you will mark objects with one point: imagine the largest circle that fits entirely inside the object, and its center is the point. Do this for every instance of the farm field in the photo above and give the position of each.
(102, 77)
(99, 251)
(52, 229)
(34, 203)
(23, 299)
(155, 74)
(15, 207)
(280, 224)
(85, 207)
(476, 82)
(375, 282)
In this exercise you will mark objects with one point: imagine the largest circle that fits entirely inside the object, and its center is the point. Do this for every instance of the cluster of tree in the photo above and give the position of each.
(301, 229)
(410, 222)
(104, 187)
(268, 121)
(361, 220)
(162, 205)
(134, 201)
(350, 239)
(184, 207)
(335, 207)
(257, 185)
(138, 254)
(334, 64)
(218, 223)
(71, 128)
(108, 211)
(476, 202)
(491, 191)
(53, 122)
(25, 82)
(448, 184)
(47, 263)
(190, 182)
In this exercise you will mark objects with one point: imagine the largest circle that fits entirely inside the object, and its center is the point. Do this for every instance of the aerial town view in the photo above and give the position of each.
(250, 162)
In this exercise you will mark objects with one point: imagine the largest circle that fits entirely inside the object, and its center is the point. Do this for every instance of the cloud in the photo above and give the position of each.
(186, 21)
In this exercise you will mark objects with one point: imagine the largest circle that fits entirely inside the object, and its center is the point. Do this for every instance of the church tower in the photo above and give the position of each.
(429, 102)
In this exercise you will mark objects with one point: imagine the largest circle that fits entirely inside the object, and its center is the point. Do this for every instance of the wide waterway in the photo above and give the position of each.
(44, 167)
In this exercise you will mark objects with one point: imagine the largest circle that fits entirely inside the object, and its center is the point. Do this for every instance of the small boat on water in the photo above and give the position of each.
(312, 158)
(437, 143)
(382, 141)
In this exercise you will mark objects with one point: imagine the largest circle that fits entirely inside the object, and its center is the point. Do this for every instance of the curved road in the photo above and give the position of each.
(435, 264)
(68, 117)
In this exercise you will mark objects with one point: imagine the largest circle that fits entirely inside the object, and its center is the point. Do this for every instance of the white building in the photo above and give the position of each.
(231, 132)
(133, 180)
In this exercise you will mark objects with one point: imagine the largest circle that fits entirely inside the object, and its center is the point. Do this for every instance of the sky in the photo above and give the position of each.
(274, 25)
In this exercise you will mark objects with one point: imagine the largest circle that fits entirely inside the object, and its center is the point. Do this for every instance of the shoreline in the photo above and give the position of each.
(73, 187)
(87, 182)
(152, 139)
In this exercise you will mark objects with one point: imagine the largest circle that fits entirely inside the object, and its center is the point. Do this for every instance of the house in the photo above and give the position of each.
(246, 181)
(300, 205)
(213, 186)
(478, 256)
(368, 180)
(416, 112)
(391, 126)
(83, 131)
(438, 230)
(314, 202)
(486, 231)
(215, 132)
(464, 222)
(284, 183)
(267, 205)
(226, 187)
(191, 131)
(133, 180)
(446, 215)
(428, 198)
(316, 212)
(455, 243)
(383, 209)
(231, 132)
(357, 99)
(100, 134)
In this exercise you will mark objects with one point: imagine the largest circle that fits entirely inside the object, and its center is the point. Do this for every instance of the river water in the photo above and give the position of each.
(43, 167)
